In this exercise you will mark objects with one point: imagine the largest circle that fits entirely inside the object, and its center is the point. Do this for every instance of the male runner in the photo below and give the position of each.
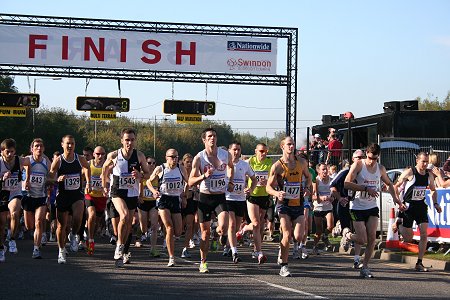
(210, 170)
(363, 208)
(286, 174)
(68, 169)
(418, 179)
(128, 167)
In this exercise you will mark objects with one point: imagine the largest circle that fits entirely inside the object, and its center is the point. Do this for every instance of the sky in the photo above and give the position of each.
(353, 56)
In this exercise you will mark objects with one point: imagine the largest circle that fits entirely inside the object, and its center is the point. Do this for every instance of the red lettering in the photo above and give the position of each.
(156, 54)
(180, 52)
(32, 46)
(65, 47)
(89, 45)
(123, 50)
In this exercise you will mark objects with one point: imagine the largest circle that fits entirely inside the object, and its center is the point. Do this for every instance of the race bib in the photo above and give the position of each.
(261, 177)
(147, 192)
(239, 186)
(365, 195)
(126, 181)
(96, 183)
(11, 183)
(217, 183)
(72, 182)
(37, 180)
(292, 190)
(418, 193)
(174, 187)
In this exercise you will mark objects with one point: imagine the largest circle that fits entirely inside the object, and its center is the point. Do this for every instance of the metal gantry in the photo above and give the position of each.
(289, 80)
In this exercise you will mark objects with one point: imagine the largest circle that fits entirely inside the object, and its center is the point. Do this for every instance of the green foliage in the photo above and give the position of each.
(7, 84)
(433, 103)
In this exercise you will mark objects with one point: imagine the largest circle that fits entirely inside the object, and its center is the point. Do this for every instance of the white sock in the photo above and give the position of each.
(234, 250)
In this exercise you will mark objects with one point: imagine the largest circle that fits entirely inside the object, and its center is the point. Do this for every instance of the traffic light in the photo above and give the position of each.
(190, 107)
(103, 104)
(19, 100)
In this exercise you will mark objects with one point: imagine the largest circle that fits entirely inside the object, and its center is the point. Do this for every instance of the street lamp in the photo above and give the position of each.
(34, 89)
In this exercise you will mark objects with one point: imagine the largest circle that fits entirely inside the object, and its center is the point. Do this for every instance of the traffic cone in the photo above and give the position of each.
(392, 241)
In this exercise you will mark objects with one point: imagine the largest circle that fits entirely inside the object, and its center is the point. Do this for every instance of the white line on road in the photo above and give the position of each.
(289, 289)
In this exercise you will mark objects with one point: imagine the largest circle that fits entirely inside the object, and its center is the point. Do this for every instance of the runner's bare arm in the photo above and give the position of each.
(195, 177)
(349, 183)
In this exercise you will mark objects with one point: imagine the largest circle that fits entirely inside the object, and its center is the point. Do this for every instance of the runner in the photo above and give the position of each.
(190, 211)
(128, 167)
(11, 167)
(172, 177)
(286, 174)
(35, 203)
(209, 169)
(236, 199)
(67, 169)
(323, 207)
(363, 208)
(418, 179)
(95, 201)
(259, 200)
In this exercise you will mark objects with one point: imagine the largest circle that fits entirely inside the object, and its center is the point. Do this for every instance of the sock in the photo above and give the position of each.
(36, 248)
(61, 250)
(419, 261)
(300, 245)
(234, 250)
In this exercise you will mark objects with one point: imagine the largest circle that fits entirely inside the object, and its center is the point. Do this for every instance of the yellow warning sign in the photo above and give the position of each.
(13, 112)
(103, 115)
(189, 119)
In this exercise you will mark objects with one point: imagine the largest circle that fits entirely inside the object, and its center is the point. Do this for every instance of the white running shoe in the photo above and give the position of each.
(36, 254)
(171, 262)
(304, 253)
(126, 258)
(13, 247)
(295, 254)
(284, 271)
(119, 252)
(62, 258)
(185, 253)
(191, 244)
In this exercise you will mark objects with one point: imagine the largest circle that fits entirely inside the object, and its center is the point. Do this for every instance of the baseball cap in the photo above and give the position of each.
(317, 135)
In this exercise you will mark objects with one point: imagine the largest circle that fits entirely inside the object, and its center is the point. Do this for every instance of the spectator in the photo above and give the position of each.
(334, 151)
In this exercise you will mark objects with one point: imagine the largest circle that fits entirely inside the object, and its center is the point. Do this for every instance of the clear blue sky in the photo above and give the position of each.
(353, 56)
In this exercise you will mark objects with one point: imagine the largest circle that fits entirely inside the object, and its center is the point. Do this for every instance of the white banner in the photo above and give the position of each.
(133, 50)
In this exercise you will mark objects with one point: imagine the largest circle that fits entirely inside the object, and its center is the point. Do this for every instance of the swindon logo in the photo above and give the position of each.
(249, 46)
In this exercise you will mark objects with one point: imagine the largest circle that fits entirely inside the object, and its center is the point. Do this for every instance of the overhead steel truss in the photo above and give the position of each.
(289, 80)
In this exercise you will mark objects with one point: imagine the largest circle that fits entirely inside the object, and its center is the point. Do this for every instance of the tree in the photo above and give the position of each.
(7, 84)
(433, 103)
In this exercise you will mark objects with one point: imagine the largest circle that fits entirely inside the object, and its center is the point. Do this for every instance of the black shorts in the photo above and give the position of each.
(131, 202)
(292, 211)
(270, 213)
(64, 203)
(262, 201)
(209, 203)
(191, 207)
(322, 214)
(416, 212)
(238, 207)
(31, 204)
(4, 206)
(363, 215)
(112, 212)
(172, 203)
(147, 205)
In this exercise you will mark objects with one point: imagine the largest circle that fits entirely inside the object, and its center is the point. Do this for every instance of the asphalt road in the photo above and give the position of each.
(328, 275)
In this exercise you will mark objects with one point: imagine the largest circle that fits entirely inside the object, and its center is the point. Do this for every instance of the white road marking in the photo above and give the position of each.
(289, 289)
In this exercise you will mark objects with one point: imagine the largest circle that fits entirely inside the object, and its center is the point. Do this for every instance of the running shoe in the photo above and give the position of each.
(295, 254)
(226, 251)
(239, 236)
(191, 244)
(2, 256)
(262, 259)
(357, 264)
(52, 237)
(36, 254)
(236, 258)
(254, 255)
(171, 262)
(420, 268)
(44, 239)
(185, 253)
(62, 258)
(365, 273)
(126, 258)
(203, 267)
(119, 252)
(223, 240)
(113, 240)
(154, 253)
(13, 247)
(304, 253)
(284, 271)
(90, 246)
(326, 241)
(73, 242)
(80, 245)
(345, 242)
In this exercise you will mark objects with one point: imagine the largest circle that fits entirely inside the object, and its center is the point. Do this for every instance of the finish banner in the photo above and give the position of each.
(438, 224)
(133, 50)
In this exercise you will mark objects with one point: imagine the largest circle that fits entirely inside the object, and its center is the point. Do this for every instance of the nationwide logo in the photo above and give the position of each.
(249, 46)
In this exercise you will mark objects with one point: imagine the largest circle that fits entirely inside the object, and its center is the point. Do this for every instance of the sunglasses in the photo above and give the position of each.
(261, 151)
(100, 153)
(172, 156)
(360, 157)
(151, 162)
(373, 157)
